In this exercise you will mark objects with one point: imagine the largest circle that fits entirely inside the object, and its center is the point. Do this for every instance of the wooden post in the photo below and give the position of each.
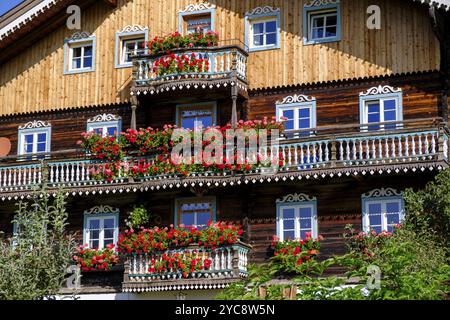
(234, 90)
(134, 105)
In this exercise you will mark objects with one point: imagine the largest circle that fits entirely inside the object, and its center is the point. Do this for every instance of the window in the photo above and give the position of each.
(105, 124)
(382, 213)
(101, 227)
(188, 115)
(321, 23)
(300, 115)
(79, 54)
(296, 216)
(376, 106)
(197, 19)
(262, 29)
(195, 212)
(129, 42)
(34, 138)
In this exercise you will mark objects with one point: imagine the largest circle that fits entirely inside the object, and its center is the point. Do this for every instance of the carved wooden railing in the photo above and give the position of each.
(228, 264)
(410, 142)
(227, 66)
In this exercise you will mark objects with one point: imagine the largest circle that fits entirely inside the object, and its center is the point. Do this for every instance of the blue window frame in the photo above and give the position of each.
(296, 219)
(321, 23)
(79, 54)
(379, 108)
(100, 229)
(382, 213)
(129, 42)
(34, 141)
(262, 29)
(188, 114)
(195, 212)
(299, 116)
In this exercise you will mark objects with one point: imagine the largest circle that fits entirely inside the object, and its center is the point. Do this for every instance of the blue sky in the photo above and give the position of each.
(6, 5)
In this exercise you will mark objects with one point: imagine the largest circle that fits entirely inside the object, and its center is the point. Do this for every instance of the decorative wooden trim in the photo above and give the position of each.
(296, 98)
(380, 90)
(101, 209)
(198, 7)
(35, 124)
(262, 10)
(320, 3)
(383, 192)
(105, 118)
(133, 28)
(296, 197)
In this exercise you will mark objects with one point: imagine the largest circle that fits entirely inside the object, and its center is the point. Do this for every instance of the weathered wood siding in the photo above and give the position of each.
(34, 80)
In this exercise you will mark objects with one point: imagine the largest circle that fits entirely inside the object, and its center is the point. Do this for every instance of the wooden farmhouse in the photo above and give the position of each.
(361, 88)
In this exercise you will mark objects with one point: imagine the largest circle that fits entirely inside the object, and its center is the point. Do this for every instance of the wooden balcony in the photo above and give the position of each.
(227, 67)
(330, 151)
(229, 264)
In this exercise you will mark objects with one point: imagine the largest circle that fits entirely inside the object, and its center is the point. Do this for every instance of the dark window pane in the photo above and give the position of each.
(88, 51)
(305, 212)
(258, 28)
(331, 32)
(108, 241)
(393, 219)
(373, 117)
(289, 235)
(271, 39)
(94, 244)
(288, 224)
(304, 113)
(305, 223)
(108, 223)
(112, 131)
(87, 62)
(331, 20)
(375, 220)
(203, 218)
(389, 115)
(258, 40)
(42, 137)
(375, 208)
(392, 207)
(28, 138)
(94, 224)
(318, 22)
(41, 147)
(94, 234)
(288, 213)
(271, 26)
(109, 233)
(288, 114)
(187, 219)
(304, 124)
(389, 105)
(376, 229)
(76, 52)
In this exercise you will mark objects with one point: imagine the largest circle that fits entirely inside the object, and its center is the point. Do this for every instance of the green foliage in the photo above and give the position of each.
(137, 217)
(33, 263)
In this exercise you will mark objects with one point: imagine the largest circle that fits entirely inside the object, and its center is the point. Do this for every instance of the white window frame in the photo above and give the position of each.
(35, 132)
(78, 40)
(297, 205)
(364, 98)
(101, 217)
(259, 15)
(129, 33)
(309, 12)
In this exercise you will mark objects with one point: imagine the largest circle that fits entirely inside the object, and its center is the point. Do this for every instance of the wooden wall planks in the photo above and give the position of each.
(34, 81)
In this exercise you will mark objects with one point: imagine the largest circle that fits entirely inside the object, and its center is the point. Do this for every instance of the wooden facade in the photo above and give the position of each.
(33, 80)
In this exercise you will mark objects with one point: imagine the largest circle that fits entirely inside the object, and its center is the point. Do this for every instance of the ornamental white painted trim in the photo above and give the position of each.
(383, 192)
(104, 118)
(300, 98)
(380, 90)
(320, 3)
(198, 7)
(101, 209)
(79, 35)
(133, 28)
(262, 10)
(296, 197)
(35, 124)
